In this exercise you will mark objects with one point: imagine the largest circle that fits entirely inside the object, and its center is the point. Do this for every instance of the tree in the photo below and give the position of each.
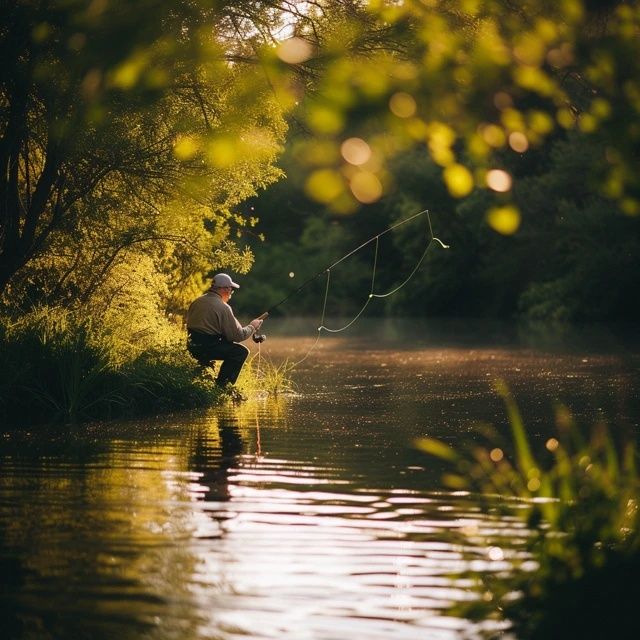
(106, 106)
(474, 79)
(135, 111)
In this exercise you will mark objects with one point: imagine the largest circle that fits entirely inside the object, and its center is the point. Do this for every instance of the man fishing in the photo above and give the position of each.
(214, 332)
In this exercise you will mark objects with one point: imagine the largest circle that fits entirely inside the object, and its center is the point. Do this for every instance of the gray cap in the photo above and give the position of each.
(221, 280)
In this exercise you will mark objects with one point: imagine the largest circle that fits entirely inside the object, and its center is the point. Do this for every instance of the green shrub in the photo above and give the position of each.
(56, 366)
(166, 378)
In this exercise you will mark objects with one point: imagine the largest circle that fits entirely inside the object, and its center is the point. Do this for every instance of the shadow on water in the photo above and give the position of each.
(310, 516)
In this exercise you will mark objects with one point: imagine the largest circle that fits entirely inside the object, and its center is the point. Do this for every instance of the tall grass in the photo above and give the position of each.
(56, 366)
(581, 497)
(264, 376)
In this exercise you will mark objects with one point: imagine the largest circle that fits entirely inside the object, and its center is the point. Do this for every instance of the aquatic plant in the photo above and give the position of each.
(263, 375)
(579, 498)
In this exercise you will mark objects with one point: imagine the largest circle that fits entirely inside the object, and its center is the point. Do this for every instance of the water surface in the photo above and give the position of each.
(310, 516)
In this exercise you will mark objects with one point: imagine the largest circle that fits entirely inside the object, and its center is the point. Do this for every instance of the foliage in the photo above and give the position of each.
(119, 150)
(267, 377)
(574, 258)
(58, 366)
(581, 503)
(465, 82)
(99, 141)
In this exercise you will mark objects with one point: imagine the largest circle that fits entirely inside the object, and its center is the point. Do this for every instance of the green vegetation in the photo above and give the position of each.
(574, 258)
(270, 378)
(580, 500)
(57, 367)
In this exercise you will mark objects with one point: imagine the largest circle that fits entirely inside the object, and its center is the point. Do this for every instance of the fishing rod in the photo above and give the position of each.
(348, 255)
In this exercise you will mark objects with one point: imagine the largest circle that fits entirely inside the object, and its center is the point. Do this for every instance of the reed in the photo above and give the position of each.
(264, 376)
(579, 497)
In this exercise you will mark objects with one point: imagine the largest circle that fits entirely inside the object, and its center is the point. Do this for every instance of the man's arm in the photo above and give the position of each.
(233, 331)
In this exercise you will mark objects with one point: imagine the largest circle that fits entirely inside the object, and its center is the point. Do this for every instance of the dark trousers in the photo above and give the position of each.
(206, 348)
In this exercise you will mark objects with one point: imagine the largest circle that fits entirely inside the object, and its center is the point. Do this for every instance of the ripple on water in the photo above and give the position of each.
(315, 519)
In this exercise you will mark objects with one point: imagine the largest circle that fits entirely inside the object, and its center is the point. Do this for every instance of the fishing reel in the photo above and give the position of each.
(258, 337)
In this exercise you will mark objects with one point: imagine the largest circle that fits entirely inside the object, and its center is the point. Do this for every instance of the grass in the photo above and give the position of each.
(57, 367)
(581, 497)
(264, 376)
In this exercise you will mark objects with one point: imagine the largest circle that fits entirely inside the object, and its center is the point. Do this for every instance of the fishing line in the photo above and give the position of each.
(368, 300)
(324, 308)
(348, 255)
(372, 294)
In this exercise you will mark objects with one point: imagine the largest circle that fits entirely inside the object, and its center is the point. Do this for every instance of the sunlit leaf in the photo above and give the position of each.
(540, 122)
(325, 119)
(128, 73)
(455, 481)
(493, 135)
(535, 79)
(566, 118)
(529, 49)
(437, 448)
(587, 123)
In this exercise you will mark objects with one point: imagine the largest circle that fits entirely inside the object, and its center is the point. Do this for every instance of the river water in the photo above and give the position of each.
(310, 516)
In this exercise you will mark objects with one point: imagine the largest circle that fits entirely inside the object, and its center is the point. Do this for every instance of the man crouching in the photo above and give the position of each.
(214, 332)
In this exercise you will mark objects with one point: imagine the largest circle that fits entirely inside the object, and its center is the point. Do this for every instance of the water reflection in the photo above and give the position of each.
(310, 517)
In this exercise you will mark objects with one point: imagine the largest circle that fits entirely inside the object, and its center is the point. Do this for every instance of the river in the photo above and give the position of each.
(307, 516)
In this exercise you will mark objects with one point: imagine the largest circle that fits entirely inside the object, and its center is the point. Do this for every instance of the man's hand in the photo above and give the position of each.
(256, 324)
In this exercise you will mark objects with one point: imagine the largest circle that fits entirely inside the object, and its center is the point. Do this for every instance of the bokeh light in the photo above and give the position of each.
(366, 187)
(518, 141)
(458, 179)
(493, 135)
(552, 444)
(294, 50)
(499, 180)
(355, 151)
(402, 105)
(324, 185)
(185, 147)
(496, 554)
(505, 220)
(222, 152)
(502, 100)
(533, 484)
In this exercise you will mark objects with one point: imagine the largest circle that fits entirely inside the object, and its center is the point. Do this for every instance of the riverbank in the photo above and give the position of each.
(58, 368)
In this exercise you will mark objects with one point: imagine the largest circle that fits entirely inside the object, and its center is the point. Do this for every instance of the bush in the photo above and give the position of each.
(56, 366)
